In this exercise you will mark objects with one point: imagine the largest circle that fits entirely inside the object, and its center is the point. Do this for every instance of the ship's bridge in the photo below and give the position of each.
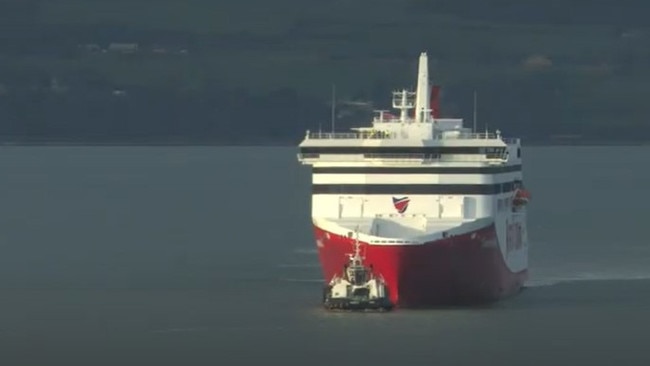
(399, 141)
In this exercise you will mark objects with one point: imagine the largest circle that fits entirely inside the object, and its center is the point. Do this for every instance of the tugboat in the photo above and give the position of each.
(357, 288)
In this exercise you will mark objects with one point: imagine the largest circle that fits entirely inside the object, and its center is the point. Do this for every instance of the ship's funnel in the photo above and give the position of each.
(422, 108)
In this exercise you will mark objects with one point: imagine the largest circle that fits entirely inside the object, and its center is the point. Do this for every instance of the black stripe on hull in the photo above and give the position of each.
(427, 150)
(412, 170)
(405, 189)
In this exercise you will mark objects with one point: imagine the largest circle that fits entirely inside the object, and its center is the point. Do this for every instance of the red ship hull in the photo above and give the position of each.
(463, 269)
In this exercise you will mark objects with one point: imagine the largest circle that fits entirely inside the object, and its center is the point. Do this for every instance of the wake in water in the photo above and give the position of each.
(303, 271)
(554, 262)
(541, 281)
(300, 265)
(304, 280)
(181, 330)
(305, 251)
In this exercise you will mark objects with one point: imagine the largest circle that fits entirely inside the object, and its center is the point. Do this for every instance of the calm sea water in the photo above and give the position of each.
(204, 256)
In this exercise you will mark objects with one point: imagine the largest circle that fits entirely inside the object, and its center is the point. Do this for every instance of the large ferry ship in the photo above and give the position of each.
(439, 208)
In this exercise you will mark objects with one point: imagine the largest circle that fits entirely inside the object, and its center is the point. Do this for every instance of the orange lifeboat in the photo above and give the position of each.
(521, 198)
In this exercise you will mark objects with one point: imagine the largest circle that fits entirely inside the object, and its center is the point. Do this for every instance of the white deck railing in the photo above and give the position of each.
(349, 135)
(407, 158)
(383, 135)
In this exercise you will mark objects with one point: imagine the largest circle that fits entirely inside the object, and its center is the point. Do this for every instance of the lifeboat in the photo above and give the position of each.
(521, 197)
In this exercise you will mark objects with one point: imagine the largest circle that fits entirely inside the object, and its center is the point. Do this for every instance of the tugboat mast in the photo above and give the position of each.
(356, 257)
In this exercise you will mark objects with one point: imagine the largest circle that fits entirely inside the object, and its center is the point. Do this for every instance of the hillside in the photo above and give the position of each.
(261, 72)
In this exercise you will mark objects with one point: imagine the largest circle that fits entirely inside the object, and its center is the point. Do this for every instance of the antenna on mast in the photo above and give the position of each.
(357, 245)
(333, 116)
(474, 130)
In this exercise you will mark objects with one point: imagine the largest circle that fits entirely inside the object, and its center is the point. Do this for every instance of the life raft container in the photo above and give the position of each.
(521, 197)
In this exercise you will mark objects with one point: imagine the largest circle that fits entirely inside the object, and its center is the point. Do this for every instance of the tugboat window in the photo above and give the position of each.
(360, 277)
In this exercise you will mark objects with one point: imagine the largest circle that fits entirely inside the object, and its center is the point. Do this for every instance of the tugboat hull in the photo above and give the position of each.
(355, 304)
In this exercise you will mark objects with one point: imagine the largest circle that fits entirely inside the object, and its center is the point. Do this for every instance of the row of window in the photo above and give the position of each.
(426, 150)
(406, 189)
(418, 170)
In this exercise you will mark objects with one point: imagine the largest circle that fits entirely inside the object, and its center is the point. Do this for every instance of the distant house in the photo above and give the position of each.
(123, 47)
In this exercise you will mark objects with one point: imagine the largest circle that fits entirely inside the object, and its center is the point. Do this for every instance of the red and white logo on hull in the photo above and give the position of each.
(401, 204)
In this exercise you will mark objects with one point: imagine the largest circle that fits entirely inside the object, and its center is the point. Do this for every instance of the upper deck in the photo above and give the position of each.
(389, 128)
(419, 135)
(382, 137)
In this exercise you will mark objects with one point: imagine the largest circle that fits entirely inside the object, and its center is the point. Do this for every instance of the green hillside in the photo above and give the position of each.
(586, 72)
